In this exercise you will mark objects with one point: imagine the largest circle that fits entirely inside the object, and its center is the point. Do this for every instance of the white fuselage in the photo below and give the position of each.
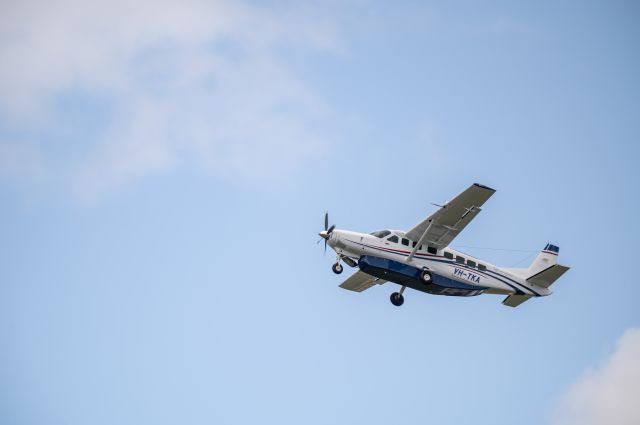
(446, 262)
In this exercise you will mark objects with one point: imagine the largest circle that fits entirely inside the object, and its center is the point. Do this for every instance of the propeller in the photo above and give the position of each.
(326, 233)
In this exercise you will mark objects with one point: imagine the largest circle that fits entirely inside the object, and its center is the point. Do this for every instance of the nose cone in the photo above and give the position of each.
(324, 235)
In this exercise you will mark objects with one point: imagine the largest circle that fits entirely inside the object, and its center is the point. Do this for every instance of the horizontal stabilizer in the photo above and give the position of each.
(546, 277)
(360, 281)
(515, 300)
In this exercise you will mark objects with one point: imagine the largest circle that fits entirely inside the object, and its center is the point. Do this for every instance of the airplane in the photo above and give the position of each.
(421, 258)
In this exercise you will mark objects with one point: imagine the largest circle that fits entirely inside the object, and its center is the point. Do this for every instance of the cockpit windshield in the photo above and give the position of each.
(380, 233)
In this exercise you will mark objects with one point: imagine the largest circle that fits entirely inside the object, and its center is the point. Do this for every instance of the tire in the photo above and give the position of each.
(397, 299)
(337, 268)
(426, 277)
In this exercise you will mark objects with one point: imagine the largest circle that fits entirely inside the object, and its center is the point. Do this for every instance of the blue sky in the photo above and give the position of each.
(165, 168)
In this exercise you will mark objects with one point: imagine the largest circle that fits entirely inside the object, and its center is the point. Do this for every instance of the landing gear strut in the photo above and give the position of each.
(396, 298)
(337, 267)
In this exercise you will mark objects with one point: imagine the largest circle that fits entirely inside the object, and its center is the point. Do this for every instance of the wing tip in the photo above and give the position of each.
(484, 187)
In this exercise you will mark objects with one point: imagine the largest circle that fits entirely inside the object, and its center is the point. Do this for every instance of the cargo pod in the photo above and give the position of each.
(406, 275)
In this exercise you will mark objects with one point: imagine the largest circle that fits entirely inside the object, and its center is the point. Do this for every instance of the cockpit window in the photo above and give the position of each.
(380, 233)
(393, 238)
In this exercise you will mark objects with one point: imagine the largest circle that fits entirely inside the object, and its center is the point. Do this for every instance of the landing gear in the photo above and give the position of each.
(426, 277)
(337, 267)
(396, 298)
(349, 261)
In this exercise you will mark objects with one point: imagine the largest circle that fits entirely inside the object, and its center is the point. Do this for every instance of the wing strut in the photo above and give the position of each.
(419, 243)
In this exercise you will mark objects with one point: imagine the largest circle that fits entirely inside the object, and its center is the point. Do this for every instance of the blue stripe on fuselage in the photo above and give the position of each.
(430, 257)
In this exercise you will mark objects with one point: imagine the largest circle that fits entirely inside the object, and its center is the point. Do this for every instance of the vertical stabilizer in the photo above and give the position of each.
(548, 257)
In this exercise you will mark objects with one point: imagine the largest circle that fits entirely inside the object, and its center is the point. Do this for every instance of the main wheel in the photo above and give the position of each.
(426, 277)
(337, 268)
(397, 299)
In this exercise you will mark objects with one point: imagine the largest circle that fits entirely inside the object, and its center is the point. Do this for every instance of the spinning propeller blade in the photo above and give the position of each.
(327, 230)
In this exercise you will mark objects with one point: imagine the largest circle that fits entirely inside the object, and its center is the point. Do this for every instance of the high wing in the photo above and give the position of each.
(359, 281)
(441, 227)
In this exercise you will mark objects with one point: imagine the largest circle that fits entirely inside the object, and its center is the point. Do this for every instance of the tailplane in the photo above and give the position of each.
(545, 268)
(543, 272)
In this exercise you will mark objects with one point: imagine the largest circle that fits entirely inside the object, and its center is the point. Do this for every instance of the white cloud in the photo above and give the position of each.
(609, 394)
(188, 83)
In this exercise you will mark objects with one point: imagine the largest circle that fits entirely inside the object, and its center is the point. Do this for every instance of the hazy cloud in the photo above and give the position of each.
(185, 83)
(21, 161)
(608, 394)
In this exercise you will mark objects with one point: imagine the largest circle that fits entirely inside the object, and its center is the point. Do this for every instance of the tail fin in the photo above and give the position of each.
(548, 257)
(543, 272)
(545, 268)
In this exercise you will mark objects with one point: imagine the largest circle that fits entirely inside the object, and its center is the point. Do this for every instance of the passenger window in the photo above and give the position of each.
(405, 241)
(448, 255)
(393, 239)
(471, 263)
(432, 250)
(482, 267)
(413, 244)
(459, 259)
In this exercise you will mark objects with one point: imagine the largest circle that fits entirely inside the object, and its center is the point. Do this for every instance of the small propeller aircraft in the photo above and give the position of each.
(421, 259)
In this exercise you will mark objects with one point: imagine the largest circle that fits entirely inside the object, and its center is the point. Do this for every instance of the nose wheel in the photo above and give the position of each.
(337, 268)
(396, 298)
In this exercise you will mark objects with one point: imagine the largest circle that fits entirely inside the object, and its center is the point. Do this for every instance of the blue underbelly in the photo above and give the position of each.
(404, 274)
